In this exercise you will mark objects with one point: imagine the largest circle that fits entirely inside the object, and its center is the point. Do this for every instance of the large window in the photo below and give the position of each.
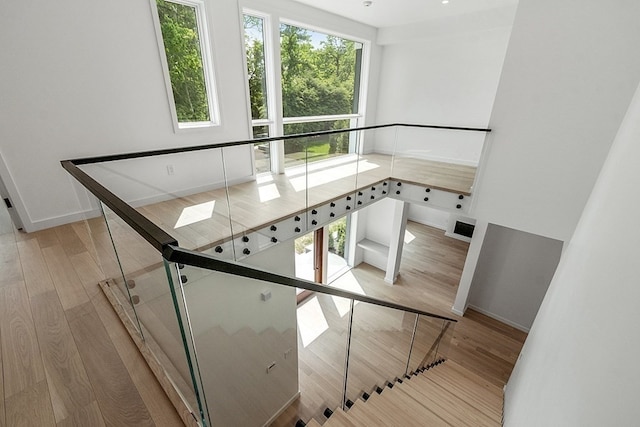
(320, 73)
(186, 50)
(261, 120)
(319, 86)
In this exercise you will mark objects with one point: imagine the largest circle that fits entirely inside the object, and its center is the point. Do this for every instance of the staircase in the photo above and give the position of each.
(444, 395)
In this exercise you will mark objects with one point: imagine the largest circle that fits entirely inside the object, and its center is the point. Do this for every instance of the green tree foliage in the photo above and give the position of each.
(317, 81)
(254, 47)
(182, 46)
(338, 236)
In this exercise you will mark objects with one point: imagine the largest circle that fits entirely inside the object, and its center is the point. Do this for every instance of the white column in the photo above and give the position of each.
(398, 227)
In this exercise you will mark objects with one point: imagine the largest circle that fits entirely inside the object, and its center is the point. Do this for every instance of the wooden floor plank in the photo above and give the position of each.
(22, 364)
(160, 407)
(46, 238)
(119, 400)
(30, 408)
(88, 271)
(69, 240)
(9, 260)
(89, 415)
(67, 380)
(66, 281)
(34, 267)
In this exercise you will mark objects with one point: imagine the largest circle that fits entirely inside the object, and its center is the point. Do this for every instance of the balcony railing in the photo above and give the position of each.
(194, 247)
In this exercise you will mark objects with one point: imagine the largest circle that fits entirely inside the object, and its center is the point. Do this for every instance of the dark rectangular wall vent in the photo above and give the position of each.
(464, 229)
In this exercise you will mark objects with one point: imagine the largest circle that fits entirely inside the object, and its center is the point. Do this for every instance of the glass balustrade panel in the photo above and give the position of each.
(380, 343)
(245, 341)
(425, 343)
(330, 161)
(184, 193)
(148, 295)
(186, 376)
(438, 158)
(265, 208)
(447, 334)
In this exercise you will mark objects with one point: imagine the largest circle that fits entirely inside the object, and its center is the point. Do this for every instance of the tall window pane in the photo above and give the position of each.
(262, 151)
(254, 46)
(320, 73)
(182, 44)
(311, 149)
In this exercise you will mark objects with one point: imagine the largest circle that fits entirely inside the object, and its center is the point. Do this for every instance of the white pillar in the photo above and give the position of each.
(398, 227)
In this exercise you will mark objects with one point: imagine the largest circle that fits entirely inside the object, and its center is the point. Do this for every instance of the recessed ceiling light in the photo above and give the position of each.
(445, 1)
(367, 3)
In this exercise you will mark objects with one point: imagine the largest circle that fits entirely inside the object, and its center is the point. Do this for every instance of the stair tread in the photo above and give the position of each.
(483, 402)
(406, 412)
(313, 423)
(464, 387)
(339, 419)
(366, 415)
(451, 367)
(446, 405)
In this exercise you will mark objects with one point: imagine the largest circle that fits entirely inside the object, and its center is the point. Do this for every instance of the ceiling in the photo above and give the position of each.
(391, 13)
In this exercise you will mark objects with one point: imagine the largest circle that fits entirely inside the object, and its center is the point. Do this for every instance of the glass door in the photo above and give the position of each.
(309, 259)
(336, 257)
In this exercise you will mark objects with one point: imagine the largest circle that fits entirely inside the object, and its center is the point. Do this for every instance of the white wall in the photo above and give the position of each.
(568, 77)
(443, 74)
(513, 274)
(90, 82)
(579, 365)
(370, 219)
(429, 216)
(85, 79)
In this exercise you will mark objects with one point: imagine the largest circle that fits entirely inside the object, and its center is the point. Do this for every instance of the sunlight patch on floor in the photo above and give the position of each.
(311, 321)
(268, 192)
(196, 213)
(320, 177)
(408, 237)
(263, 178)
(346, 282)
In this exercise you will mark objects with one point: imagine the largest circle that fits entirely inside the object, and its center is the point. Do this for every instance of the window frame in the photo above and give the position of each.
(208, 69)
(271, 122)
(273, 74)
(356, 118)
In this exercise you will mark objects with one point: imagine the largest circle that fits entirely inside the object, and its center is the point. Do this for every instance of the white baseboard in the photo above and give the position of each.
(63, 219)
(500, 318)
(429, 224)
(80, 216)
(457, 236)
(456, 311)
(184, 193)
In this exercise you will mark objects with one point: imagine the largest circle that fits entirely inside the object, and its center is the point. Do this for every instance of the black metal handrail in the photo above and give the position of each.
(201, 260)
(139, 154)
(153, 234)
(169, 246)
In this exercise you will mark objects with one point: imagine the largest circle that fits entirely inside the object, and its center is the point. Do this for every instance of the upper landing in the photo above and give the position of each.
(331, 188)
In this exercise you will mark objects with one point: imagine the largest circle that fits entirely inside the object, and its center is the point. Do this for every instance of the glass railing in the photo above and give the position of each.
(198, 251)
(253, 344)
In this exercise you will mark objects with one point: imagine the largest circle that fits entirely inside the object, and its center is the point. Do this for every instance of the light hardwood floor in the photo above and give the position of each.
(66, 359)
(254, 204)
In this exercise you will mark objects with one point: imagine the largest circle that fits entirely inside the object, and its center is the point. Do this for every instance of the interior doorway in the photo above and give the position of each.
(321, 255)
